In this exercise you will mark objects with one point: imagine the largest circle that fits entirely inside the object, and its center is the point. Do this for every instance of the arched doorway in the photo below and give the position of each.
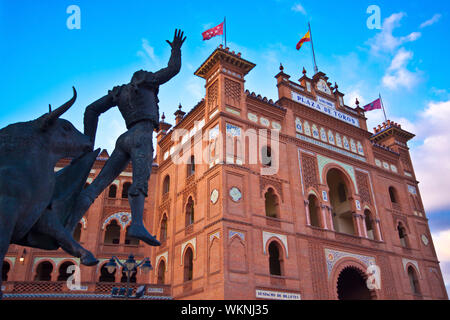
(105, 276)
(63, 274)
(161, 272)
(351, 285)
(340, 200)
(44, 271)
(5, 269)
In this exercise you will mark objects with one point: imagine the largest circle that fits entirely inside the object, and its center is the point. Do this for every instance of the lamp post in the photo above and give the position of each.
(129, 266)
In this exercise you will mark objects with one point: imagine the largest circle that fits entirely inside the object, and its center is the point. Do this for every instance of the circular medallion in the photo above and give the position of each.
(235, 194)
(425, 240)
(214, 196)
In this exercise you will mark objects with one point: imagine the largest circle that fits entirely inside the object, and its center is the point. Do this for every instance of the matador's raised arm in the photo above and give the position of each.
(174, 65)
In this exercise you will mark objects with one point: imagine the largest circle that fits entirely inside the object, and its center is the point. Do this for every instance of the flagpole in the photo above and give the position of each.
(384, 111)
(225, 23)
(312, 46)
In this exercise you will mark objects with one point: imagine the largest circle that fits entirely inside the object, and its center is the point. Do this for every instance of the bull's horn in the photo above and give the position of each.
(59, 112)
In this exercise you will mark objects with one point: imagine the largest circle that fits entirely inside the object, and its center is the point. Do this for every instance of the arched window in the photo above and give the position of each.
(191, 166)
(124, 278)
(402, 235)
(77, 232)
(271, 203)
(112, 233)
(266, 156)
(188, 264)
(413, 280)
(112, 193)
(163, 232)
(275, 261)
(166, 184)
(161, 272)
(63, 274)
(105, 276)
(393, 194)
(339, 197)
(44, 271)
(189, 212)
(125, 188)
(5, 269)
(369, 224)
(314, 213)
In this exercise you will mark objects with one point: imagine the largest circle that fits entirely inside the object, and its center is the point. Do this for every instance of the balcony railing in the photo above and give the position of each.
(19, 288)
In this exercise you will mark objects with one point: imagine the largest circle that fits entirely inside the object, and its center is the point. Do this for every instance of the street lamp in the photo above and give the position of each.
(129, 266)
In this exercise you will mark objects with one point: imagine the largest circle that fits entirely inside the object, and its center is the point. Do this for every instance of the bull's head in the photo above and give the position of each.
(64, 139)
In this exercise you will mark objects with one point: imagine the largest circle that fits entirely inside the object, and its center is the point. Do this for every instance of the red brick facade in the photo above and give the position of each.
(341, 202)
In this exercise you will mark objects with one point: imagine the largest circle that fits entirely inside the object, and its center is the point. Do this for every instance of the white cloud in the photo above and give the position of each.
(431, 21)
(148, 54)
(299, 8)
(431, 158)
(385, 41)
(397, 75)
(441, 242)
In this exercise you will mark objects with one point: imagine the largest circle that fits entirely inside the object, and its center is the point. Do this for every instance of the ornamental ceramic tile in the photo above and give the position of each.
(252, 117)
(307, 128)
(378, 162)
(338, 140)
(298, 125)
(386, 165)
(346, 145)
(323, 135)
(315, 131)
(360, 148)
(233, 130)
(333, 256)
(353, 146)
(394, 168)
(330, 137)
(276, 125)
(264, 121)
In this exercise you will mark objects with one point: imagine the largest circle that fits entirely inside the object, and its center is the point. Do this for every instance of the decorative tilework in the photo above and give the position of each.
(281, 237)
(233, 130)
(333, 256)
(413, 262)
(323, 161)
(330, 147)
(123, 218)
(193, 242)
(214, 235)
(164, 255)
(232, 233)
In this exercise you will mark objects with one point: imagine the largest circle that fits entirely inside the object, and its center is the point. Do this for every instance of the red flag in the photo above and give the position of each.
(373, 105)
(216, 31)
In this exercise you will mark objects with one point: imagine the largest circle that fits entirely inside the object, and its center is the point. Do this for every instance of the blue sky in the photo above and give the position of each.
(406, 61)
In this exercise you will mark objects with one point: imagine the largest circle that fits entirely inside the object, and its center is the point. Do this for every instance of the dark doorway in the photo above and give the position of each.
(352, 285)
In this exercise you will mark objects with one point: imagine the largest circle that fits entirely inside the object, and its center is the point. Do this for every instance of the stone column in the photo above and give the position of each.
(356, 223)
(330, 217)
(324, 216)
(308, 218)
(378, 229)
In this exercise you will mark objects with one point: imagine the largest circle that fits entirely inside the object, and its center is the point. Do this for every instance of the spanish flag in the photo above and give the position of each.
(306, 38)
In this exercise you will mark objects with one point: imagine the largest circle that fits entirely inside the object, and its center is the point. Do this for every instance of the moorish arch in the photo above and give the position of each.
(348, 281)
(341, 196)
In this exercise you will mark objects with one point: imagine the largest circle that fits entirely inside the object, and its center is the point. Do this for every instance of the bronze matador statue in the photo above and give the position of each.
(138, 104)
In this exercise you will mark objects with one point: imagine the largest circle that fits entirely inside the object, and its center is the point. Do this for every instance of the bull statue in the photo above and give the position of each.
(36, 201)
